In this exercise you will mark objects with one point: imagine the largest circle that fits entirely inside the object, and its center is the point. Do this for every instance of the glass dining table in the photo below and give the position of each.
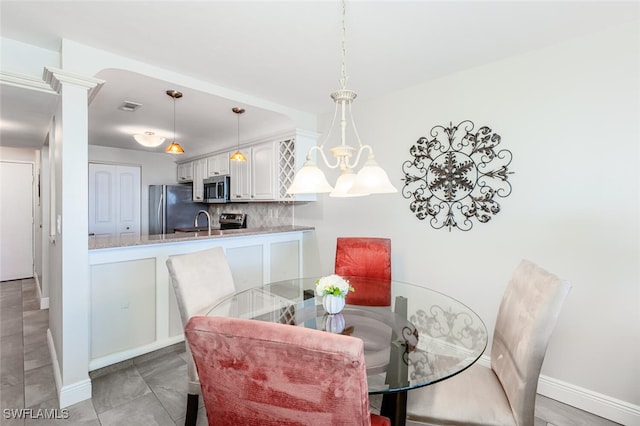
(418, 338)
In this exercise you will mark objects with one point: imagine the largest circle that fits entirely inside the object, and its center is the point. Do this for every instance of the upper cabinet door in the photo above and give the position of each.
(218, 165)
(263, 176)
(199, 173)
(185, 172)
(114, 200)
(240, 177)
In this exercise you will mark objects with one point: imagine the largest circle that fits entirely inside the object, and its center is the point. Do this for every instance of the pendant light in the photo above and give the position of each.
(174, 147)
(148, 139)
(371, 179)
(238, 155)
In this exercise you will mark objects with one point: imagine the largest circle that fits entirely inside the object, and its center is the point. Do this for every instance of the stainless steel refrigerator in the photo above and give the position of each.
(171, 206)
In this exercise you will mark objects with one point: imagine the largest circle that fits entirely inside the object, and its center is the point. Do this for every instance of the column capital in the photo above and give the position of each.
(55, 77)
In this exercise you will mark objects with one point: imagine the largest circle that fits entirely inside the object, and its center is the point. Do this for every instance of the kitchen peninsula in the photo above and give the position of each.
(133, 305)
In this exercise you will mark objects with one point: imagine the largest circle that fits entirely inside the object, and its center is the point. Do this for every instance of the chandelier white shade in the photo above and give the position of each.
(370, 179)
(148, 139)
(309, 180)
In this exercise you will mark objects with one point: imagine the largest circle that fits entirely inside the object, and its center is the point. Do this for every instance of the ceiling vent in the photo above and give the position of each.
(129, 106)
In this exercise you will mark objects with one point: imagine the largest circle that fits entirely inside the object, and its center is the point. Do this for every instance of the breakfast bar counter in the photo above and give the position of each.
(128, 241)
(133, 305)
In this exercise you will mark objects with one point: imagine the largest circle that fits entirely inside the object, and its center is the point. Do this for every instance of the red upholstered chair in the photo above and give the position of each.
(260, 373)
(370, 258)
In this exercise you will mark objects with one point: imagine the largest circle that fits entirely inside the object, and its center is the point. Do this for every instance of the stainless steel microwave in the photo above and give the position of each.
(216, 189)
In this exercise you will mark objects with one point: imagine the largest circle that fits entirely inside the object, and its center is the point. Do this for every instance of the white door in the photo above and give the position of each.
(114, 200)
(128, 220)
(16, 220)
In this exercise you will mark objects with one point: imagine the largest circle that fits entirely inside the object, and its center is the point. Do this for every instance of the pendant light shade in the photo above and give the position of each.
(174, 147)
(371, 179)
(238, 155)
(148, 139)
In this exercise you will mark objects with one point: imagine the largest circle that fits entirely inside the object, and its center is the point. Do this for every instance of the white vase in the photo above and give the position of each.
(333, 304)
(334, 323)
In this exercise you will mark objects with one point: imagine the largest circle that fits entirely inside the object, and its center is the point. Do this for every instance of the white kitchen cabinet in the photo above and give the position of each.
(254, 179)
(263, 172)
(240, 177)
(199, 173)
(218, 165)
(185, 172)
(265, 176)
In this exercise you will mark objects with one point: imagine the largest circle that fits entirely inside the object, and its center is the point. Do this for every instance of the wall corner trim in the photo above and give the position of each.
(70, 394)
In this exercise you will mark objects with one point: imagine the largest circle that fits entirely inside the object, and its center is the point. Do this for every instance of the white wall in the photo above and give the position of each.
(569, 113)
(26, 59)
(157, 169)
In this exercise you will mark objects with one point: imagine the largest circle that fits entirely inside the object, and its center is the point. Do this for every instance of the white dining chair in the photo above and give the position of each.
(505, 393)
(199, 280)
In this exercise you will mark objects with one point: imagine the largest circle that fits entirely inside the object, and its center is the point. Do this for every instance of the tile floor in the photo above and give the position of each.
(147, 390)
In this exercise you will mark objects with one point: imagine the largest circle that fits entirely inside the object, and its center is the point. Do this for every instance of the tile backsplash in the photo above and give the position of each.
(258, 214)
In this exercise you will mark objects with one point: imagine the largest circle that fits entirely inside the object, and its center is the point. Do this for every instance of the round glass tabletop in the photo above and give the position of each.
(420, 337)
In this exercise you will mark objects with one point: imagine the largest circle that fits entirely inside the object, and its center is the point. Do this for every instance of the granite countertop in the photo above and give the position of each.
(114, 242)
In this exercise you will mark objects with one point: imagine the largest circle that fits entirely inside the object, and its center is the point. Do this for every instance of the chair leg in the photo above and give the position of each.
(192, 410)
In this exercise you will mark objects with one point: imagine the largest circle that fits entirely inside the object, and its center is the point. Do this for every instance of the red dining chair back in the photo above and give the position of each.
(261, 373)
(365, 257)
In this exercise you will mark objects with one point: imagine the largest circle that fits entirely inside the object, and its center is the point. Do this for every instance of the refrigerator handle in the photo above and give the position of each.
(160, 217)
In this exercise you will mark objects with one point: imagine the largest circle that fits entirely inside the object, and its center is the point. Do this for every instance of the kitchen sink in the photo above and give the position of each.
(195, 229)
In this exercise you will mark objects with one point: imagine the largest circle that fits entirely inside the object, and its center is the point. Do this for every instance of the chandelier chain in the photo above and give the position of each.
(343, 78)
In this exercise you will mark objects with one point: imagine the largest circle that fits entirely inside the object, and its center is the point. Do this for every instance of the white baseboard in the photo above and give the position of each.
(70, 394)
(44, 301)
(593, 402)
(596, 403)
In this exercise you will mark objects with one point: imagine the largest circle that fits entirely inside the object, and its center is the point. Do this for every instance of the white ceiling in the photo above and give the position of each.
(286, 52)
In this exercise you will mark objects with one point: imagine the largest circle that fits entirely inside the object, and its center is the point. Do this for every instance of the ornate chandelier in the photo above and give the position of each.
(370, 179)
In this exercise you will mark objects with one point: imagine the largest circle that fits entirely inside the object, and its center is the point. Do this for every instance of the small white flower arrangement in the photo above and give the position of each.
(334, 285)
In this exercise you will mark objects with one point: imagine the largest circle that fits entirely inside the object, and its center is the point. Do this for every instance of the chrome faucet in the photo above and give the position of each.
(206, 213)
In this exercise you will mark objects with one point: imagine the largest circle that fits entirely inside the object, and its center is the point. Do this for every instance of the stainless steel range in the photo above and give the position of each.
(233, 220)
(227, 221)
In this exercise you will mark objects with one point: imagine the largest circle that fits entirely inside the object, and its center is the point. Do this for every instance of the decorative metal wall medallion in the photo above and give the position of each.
(454, 176)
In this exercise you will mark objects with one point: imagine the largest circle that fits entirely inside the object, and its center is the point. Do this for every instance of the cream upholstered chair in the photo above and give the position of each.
(268, 374)
(505, 393)
(199, 280)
